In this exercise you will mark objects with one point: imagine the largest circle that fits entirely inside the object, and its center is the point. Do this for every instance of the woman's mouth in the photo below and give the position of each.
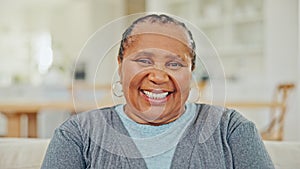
(156, 97)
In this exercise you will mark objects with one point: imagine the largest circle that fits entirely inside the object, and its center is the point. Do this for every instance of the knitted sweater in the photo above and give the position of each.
(216, 138)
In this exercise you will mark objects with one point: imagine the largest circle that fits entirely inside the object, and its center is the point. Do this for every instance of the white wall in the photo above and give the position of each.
(70, 24)
(281, 40)
(281, 54)
(298, 75)
(79, 21)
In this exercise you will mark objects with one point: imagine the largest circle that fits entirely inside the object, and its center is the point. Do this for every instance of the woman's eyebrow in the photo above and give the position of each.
(175, 57)
(144, 53)
(168, 56)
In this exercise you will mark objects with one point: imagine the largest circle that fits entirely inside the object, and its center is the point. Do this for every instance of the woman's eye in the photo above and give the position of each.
(174, 65)
(144, 62)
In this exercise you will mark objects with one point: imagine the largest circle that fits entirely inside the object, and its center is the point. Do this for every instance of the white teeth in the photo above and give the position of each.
(155, 95)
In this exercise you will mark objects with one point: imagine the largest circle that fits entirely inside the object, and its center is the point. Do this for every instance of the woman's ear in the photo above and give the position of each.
(119, 67)
(119, 60)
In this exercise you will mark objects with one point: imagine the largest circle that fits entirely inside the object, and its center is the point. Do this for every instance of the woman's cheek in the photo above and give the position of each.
(183, 80)
(130, 74)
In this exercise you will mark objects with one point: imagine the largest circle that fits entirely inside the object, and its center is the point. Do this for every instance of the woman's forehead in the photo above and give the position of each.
(157, 53)
(157, 43)
(171, 30)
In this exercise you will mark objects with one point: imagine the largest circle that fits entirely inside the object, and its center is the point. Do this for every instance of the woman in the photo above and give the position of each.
(157, 128)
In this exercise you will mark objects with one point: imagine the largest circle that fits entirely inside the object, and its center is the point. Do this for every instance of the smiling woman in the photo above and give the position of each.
(156, 58)
(157, 127)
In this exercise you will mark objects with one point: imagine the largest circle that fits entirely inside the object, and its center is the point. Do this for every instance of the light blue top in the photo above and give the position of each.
(157, 143)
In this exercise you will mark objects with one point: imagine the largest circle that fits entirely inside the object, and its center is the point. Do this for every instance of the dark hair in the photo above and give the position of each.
(153, 18)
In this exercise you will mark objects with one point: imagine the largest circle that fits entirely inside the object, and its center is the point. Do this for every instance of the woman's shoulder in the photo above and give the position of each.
(95, 113)
(90, 119)
(224, 112)
(225, 117)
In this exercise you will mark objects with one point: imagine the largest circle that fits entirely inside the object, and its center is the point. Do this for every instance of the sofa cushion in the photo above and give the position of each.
(23, 153)
(16, 153)
(284, 154)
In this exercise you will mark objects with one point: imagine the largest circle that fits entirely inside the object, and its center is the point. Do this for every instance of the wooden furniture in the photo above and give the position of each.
(14, 111)
(278, 107)
(274, 130)
(30, 108)
(88, 96)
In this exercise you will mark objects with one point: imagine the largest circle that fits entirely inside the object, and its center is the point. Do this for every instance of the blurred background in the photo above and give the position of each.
(257, 42)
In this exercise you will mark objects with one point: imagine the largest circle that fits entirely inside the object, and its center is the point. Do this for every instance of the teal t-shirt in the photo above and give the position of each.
(157, 143)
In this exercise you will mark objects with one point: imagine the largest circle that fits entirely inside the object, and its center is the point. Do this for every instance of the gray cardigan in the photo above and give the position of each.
(217, 138)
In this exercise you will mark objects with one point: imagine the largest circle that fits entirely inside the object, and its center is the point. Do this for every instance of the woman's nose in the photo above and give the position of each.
(158, 76)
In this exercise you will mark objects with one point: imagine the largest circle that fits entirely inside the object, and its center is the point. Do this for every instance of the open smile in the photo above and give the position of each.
(156, 97)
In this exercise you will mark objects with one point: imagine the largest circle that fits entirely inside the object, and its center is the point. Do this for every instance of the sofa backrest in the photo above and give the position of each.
(285, 155)
(22, 153)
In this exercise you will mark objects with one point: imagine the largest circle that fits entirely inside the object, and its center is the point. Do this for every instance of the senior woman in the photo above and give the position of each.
(157, 128)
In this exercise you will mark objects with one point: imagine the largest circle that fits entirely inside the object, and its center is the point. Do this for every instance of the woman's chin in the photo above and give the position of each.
(155, 115)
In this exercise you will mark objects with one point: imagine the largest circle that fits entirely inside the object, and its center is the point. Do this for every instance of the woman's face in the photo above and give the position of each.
(156, 73)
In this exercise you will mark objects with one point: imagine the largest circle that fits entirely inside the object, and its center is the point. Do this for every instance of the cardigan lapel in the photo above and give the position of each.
(186, 145)
(127, 145)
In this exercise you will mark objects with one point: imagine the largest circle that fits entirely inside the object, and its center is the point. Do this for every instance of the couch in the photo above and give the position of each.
(22, 153)
(285, 155)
